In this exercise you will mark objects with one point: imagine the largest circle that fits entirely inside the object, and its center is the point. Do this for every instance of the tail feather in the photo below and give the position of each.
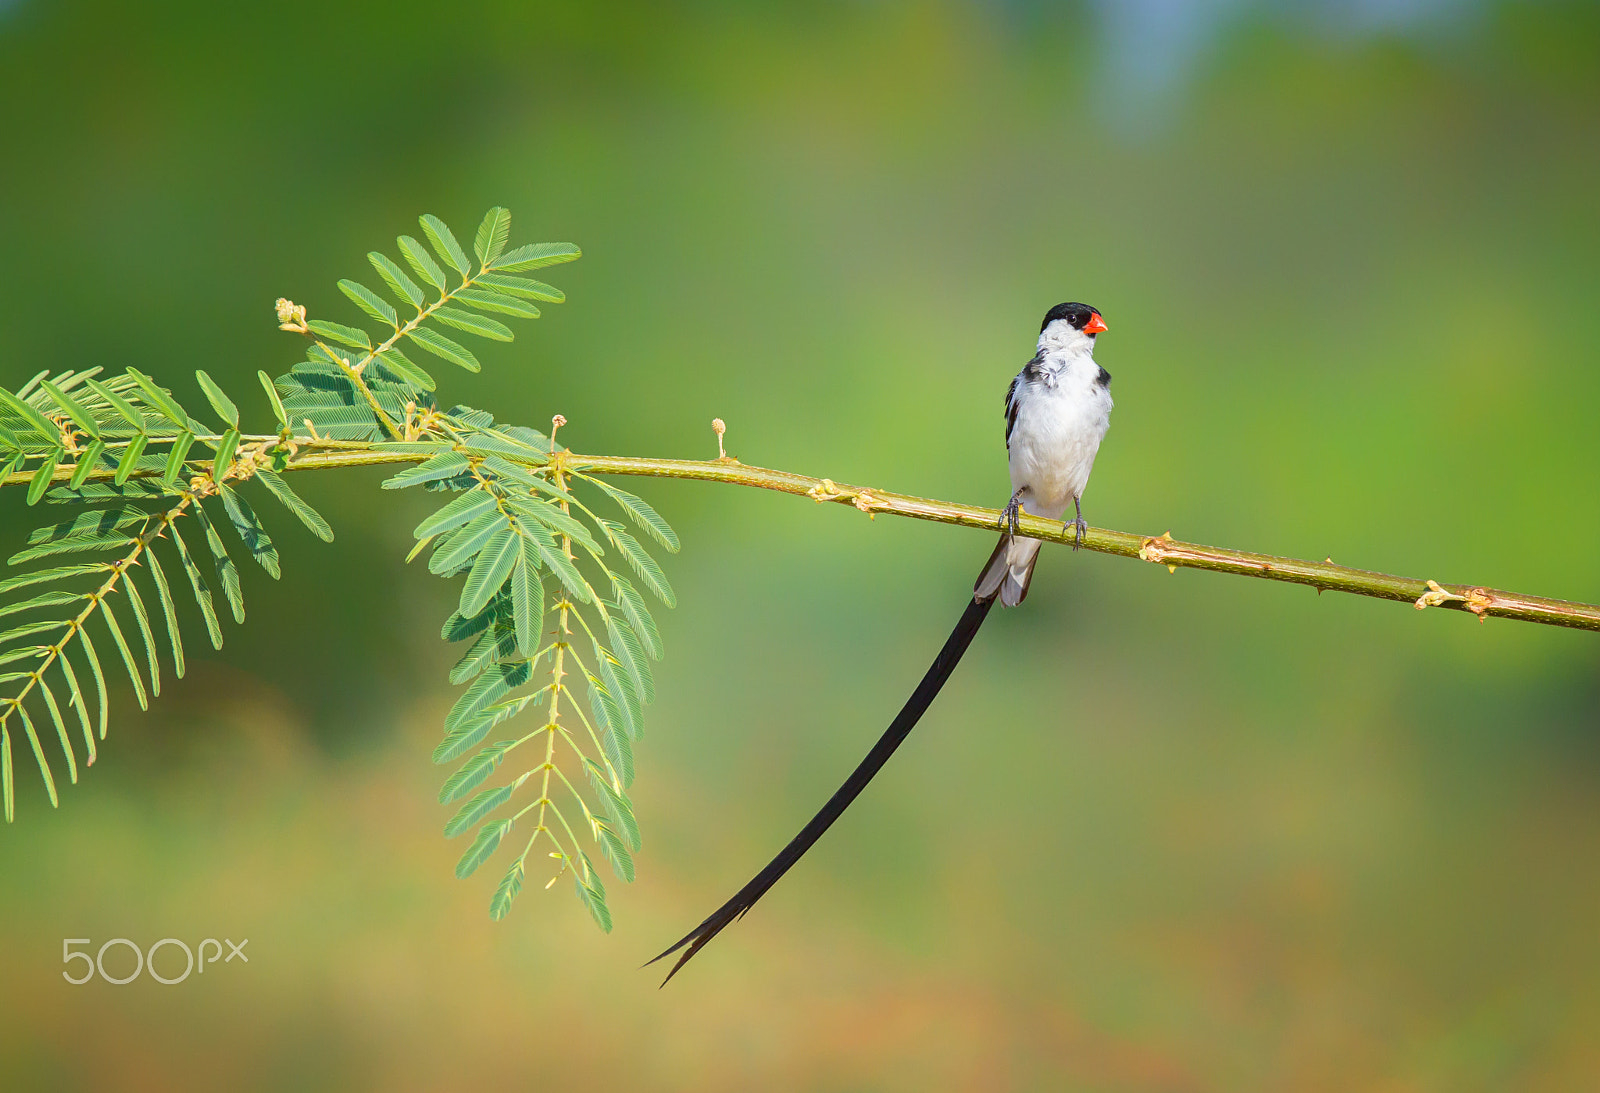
(943, 665)
(1009, 570)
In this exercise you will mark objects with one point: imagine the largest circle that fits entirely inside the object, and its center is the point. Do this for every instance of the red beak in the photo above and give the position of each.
(1095, 325)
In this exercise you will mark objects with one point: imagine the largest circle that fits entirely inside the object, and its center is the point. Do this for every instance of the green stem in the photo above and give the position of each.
(353, 374)
(1484, 602)
(1162, 550)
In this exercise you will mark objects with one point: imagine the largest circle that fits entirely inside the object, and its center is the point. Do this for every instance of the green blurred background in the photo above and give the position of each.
(1160, 833)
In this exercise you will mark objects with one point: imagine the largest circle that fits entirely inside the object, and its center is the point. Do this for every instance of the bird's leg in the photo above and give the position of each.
(1012, 512)
(1080, 525)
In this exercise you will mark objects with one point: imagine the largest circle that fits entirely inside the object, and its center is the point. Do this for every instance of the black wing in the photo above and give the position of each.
(1011, 410)
(1029, 371)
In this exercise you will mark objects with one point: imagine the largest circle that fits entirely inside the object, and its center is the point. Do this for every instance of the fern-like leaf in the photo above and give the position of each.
(197, 583)
(114, 628)
(536, 256)
(509, 886)
(445, 348)
(370, 302)
(444, 244)
(420, 260)
(525, 287)
(146, 636)
(488, 840)
(247, 525)
(493, 234)
(168, 610)
(220, 402)
(290, 500)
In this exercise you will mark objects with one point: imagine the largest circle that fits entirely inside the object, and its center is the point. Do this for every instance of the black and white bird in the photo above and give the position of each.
(1057, 412)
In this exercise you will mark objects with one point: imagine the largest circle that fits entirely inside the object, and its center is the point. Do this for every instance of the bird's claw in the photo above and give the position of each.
(1010, 515)
(1080, 529)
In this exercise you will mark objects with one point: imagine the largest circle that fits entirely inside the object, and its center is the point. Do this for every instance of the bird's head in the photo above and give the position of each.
(1071, 326)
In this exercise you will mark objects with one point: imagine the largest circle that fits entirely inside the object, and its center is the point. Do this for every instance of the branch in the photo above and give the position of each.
(1160, 549)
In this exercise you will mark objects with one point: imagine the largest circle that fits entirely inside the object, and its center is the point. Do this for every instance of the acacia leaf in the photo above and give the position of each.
(489, 836)
(458, 511)
(473, 771)
(223, 460)
(130, 458)
(461, 546)
(521, 286)
(641, 512)
(142, 617)
(447, 464)
(290, 500)
(421, 261)
(43, 475)
(509, 886)
(395, 277)
(168, 610)
(220, 402)
(407, 369)
(493, 234)
(197, 582)
(370, 302)
(527, 597)
(158, 397)
(534, 255)
(493, 565)
(247, 525)
(445, 348)
(127, 655)
(592, 892)
(477, 808)
(496, 301)
(352, 336)
(444, 243)
(474, 324)
(176, 456)
(80, 415)
(90, 655)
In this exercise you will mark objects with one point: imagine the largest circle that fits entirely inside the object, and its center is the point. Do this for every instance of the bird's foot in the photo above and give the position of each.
(1012, 513)
(1080, 526)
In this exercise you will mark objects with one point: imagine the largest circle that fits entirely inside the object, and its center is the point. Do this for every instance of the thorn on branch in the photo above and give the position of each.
(866, 503)
(1479, 601)
(1153, 549)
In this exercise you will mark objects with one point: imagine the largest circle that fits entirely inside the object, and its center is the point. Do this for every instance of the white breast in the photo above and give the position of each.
(1062, 415)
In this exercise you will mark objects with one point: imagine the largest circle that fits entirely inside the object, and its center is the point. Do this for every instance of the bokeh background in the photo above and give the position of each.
(1180, 833)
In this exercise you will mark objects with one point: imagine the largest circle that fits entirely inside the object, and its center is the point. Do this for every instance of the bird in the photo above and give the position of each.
(1057, 411)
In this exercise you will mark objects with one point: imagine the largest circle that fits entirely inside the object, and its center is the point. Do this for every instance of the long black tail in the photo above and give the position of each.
(898, 730)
